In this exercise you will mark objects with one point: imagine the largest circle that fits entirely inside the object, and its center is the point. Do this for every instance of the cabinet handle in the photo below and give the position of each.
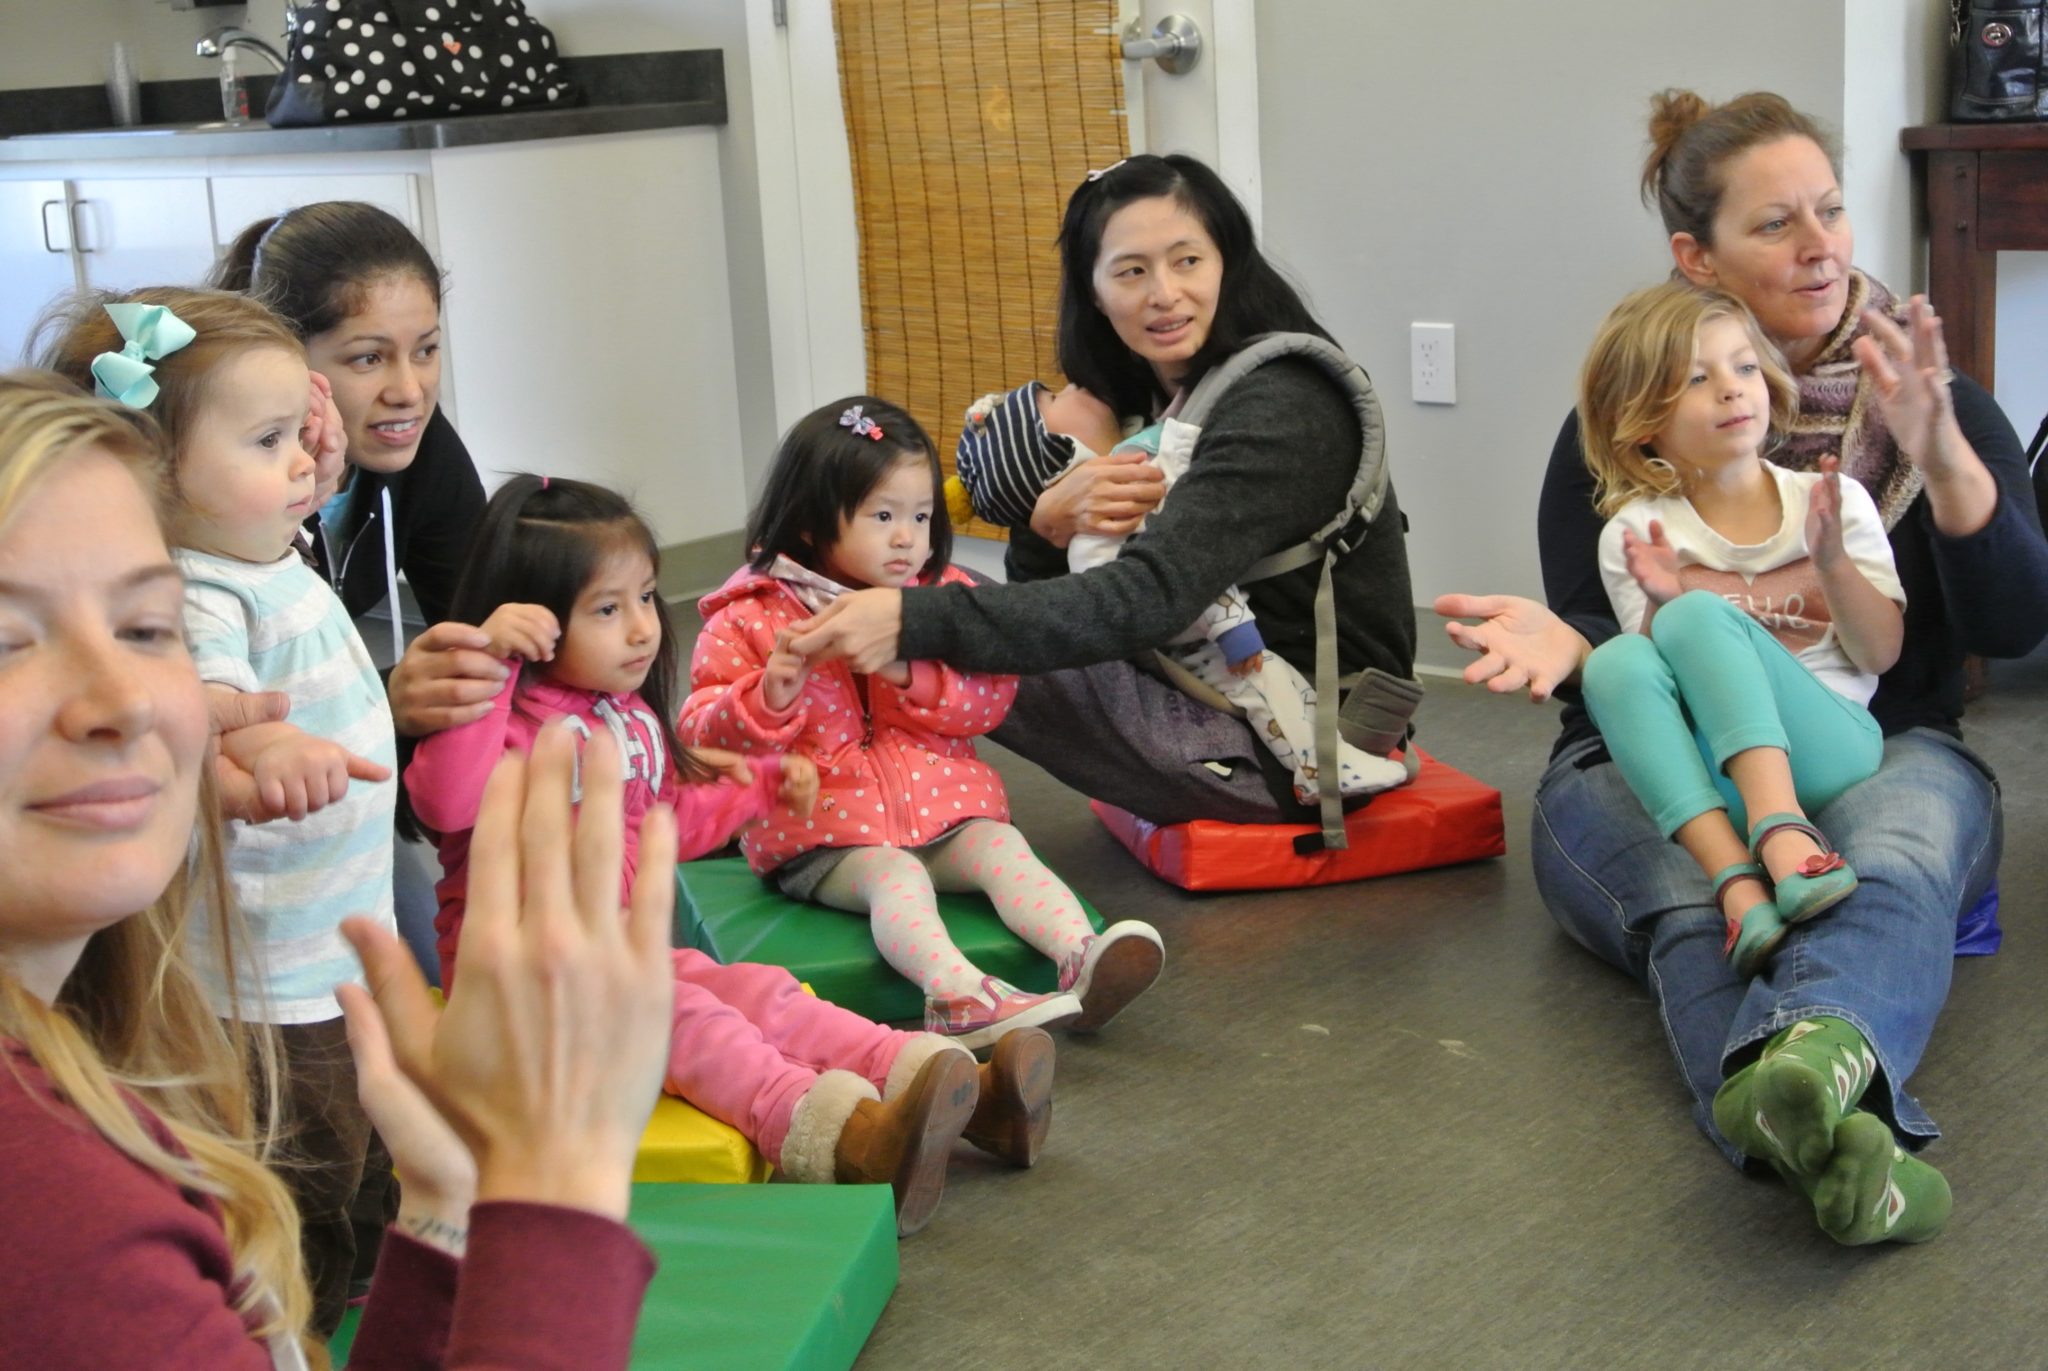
(48, 246)
(78, 238)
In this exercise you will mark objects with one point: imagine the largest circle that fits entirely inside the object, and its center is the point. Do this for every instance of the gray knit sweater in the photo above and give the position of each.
(1274, 462)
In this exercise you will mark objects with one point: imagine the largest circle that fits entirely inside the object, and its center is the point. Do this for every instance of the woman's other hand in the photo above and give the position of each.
(862, 629)
(447, 678)
(1910, 376)
(227, 710)
(548, 1063)
(1522, 645)
(435, 1168)
(1108, 495)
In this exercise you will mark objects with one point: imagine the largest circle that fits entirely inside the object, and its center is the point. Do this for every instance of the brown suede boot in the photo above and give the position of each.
(1014, 1112)
(907, 1142)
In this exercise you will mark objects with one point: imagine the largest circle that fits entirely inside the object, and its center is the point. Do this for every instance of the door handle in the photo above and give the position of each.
(1176, 44)
(48, 246)
(78, 238)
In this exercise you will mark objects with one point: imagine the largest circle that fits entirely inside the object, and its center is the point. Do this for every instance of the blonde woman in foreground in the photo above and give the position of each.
(125, 1127)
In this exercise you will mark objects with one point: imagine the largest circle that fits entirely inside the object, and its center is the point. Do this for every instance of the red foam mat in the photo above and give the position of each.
(1440, 818)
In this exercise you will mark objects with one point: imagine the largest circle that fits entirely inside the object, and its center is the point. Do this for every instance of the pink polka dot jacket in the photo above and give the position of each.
(895, 767)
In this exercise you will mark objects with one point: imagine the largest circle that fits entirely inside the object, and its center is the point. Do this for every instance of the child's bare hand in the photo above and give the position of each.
(723, 765)
(1250, 666)
(1824, 516)
(1654, 564)
(783, 678)
(896, 674)
(529, 631)
(298, 774)
(325, 440)
(1078, 414)
(799, 784)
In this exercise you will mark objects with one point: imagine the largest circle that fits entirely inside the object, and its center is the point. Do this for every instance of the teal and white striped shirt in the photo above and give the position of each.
(280, 627)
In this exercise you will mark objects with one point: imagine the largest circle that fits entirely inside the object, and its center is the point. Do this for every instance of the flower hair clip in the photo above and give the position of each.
(862, 426)
(1098, 175)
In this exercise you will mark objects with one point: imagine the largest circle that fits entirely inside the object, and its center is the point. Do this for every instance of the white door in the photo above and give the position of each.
(810, 240)
(150, 232)
(35, 260)
(239, 201)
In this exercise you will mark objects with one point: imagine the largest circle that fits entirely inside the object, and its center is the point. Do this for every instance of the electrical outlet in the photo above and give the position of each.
(1432, 364)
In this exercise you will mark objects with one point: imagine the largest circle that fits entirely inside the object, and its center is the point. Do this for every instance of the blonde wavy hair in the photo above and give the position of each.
(1634, 375)
(132, 1020)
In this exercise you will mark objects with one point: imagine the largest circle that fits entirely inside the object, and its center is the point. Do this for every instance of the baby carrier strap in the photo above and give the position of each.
(1338, 537)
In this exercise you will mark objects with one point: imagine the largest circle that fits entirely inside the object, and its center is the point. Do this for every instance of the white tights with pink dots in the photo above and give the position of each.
(895, 888)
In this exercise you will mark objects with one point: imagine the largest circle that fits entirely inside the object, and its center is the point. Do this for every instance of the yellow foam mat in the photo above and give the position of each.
(683, 1143)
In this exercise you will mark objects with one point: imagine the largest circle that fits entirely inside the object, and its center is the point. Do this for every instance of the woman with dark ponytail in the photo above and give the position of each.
(365, 295)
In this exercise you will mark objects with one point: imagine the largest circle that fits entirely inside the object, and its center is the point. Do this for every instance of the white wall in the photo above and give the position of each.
(1483, 172)
(1894, 75)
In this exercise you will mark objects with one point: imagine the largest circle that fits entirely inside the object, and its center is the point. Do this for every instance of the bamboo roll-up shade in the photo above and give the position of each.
(969, 125)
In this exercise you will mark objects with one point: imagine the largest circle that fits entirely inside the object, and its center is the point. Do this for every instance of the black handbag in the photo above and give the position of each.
(363, 61)
(1996, 61)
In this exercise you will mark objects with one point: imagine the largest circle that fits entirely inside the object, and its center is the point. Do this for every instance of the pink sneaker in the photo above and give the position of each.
(1111, 969)
(975, 1021)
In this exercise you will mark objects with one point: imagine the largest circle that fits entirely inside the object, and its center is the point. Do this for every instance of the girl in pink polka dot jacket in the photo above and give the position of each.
(561, 576)
(905, 808)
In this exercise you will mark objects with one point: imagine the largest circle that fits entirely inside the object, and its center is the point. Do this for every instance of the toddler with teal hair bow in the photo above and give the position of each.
(227, 382)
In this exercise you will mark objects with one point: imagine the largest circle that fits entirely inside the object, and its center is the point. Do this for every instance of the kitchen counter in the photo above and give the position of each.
(624, 93)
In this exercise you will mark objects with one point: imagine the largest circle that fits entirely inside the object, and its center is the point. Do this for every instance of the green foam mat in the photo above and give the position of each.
(727, 912)
(763, 1277)
(754, 1277)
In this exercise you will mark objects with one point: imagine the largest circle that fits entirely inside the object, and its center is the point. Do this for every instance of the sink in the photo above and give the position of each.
(150, 130)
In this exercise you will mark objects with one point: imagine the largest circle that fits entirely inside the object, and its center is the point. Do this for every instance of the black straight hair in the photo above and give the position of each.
(316, 264)
(1254, 297)
(822, 472)
(541, 542)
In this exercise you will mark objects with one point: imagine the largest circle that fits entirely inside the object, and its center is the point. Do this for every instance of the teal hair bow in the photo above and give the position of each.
(152, 333)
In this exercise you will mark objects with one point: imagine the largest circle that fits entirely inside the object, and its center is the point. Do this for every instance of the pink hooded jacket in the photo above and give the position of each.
(446, 783)
(895, 767)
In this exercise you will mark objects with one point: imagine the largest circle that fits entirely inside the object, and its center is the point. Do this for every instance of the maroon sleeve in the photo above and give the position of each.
(111, 1263)
(546, 1288)
(412, 1300)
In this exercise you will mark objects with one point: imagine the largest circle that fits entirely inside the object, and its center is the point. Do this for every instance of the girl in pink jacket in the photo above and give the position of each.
(904, 808)
(561, 576)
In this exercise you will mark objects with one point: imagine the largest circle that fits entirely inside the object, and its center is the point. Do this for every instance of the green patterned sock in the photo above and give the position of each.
(1873, 1191)
(1784, 1107)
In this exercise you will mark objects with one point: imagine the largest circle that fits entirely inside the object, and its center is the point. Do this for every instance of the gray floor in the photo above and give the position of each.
(1408, 1124)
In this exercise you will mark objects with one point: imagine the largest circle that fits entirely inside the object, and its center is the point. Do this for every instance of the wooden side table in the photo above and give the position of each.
(1987, 192)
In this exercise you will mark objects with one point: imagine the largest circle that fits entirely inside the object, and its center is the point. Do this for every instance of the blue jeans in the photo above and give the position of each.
(1924, 836)
(1710, 682)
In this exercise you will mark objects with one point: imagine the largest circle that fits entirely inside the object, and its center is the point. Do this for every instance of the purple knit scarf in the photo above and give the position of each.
(1839, 414)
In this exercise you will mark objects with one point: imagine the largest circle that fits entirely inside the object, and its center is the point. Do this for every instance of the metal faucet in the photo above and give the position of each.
(217, 43)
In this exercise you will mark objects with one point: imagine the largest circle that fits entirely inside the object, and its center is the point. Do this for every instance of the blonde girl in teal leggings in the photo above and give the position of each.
(1758, 605)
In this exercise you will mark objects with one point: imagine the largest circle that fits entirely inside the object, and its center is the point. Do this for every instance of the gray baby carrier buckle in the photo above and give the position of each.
(1390, 701)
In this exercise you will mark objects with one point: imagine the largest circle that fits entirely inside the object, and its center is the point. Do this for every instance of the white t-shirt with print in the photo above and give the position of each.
(1774, 582)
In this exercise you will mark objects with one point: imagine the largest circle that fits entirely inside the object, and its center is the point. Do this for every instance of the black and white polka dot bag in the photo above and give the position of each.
(355, 61)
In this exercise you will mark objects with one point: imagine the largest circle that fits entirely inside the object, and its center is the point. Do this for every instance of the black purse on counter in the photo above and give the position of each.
(367, 61)
(1996, 61)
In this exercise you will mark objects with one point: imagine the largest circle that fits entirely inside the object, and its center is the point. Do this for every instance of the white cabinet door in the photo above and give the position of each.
(239, 201)
(35, 260)
(142, 232)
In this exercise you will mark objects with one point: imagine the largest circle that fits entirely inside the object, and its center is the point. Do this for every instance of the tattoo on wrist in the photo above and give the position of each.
(436, 1232)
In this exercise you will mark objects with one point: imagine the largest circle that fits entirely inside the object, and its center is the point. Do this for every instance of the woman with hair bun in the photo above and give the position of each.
(1803, 1068)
